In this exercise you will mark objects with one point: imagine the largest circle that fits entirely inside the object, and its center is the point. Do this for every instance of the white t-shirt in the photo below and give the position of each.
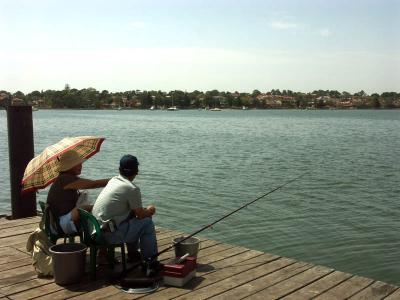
(116, 200)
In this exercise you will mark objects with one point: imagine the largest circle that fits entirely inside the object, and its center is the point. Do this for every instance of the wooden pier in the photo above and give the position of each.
(224, 272)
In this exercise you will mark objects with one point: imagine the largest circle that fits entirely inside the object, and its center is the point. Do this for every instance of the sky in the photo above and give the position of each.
(188, 45)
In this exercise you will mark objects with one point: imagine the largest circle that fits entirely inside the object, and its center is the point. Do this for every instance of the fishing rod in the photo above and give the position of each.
(215, 222)
(229, 214)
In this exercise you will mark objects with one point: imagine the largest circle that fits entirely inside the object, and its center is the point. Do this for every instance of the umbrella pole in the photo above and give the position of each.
(20, 147)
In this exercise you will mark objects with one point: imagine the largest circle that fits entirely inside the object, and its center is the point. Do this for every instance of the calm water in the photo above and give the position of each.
(196, 166)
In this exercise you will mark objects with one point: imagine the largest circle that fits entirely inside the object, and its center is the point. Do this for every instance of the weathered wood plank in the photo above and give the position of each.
(394, 296)
(5, 223)
(16, 230)
(318, 287)
(226, 278)
(346, 289)
(224, 271)
(21, 246)
(37, 291)
(101, 293)
(27, 261)
(253, 280)
(9, 254)
(15, 275)
(292, 284)
(215, 257)
(54, 291)
(13, 240)
(8, 250)
(377, 290)
(221, 270)
(25, 285)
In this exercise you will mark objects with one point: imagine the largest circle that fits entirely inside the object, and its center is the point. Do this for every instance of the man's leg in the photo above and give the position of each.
(133, 252)
(143, 231)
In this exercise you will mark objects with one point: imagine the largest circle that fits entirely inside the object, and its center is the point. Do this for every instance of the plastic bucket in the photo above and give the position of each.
(191, 246)
(68, 262)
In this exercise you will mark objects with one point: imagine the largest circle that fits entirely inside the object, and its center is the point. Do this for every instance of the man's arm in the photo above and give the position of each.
(83, 184)
(142, 212)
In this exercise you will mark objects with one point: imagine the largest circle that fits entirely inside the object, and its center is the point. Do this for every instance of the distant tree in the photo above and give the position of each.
(346, 94)
(19, 95)
(388, 99)
(334, 94)
(321, 93)
(276, 92)
(299, 100)
(375, 100)
(33, 96)
(88, 97)
(361, 94)
(186, 100)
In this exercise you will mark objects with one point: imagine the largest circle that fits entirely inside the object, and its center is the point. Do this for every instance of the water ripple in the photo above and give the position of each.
(197, 166)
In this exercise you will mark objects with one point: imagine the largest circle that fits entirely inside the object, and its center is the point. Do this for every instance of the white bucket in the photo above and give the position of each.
(191, 246)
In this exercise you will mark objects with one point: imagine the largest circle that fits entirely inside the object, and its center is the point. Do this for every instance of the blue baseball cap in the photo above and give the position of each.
(128, 164)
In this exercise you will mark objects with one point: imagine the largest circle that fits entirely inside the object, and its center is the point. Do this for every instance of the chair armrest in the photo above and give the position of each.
(87, 219)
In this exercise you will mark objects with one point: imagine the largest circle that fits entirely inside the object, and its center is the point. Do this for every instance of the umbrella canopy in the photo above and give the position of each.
(44, 168)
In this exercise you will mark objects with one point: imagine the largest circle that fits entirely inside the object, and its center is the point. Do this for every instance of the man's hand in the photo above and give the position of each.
(142, 212)
(151, 209)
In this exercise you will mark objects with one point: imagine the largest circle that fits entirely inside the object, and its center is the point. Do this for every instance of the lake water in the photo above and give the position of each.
(196, 166)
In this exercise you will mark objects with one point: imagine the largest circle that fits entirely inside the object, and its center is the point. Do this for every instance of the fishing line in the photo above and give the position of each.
(231, 213)
(124, 273)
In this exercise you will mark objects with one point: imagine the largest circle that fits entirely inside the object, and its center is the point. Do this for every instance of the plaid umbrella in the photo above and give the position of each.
(43, 169)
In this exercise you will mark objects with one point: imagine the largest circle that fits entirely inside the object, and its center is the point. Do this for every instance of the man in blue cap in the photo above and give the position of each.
(119, 210)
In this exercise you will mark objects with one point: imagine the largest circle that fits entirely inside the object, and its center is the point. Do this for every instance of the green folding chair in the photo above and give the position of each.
(51, 226)
(94, 239)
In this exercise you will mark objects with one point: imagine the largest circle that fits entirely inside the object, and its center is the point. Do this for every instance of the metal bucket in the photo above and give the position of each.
(68, 262)
(191, 246)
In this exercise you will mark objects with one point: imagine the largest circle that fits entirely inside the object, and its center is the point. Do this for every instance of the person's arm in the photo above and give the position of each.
(142, 212)
(83, 184)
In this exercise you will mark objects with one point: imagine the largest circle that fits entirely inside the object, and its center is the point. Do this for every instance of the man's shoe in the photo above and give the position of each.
(134, 257)
(152, 268)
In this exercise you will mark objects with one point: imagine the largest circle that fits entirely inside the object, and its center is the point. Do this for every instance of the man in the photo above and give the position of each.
(120, 204)
(64, 192)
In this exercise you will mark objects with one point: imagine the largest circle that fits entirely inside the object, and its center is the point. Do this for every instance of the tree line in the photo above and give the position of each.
(90, 98)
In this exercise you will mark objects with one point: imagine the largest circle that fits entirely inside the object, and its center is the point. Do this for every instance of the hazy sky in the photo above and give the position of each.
(191, 44)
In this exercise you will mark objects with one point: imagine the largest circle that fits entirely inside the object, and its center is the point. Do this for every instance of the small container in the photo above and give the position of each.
(179, 274)
(68, 262)
(191, 246)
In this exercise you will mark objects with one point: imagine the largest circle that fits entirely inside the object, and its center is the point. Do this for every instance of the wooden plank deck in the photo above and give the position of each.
(224, 272)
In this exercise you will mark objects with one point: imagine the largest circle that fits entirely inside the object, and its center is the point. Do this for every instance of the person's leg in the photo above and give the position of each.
(143, 231)
(133, 252)
(67, 223)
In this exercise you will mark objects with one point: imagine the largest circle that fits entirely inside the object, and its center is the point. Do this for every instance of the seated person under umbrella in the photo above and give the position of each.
(64, 192)
(120, 203)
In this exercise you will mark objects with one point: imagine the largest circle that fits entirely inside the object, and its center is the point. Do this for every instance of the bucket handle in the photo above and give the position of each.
(182, 258)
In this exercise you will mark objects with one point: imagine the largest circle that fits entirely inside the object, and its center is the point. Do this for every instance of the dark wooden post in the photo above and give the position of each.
(20, 149)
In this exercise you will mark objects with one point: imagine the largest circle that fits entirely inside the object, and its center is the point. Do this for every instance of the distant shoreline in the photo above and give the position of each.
(201, 109)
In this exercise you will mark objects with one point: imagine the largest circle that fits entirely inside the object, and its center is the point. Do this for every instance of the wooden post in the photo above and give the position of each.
(20, 149)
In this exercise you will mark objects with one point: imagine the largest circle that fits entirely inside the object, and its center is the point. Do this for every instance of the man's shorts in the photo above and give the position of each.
(67, 225)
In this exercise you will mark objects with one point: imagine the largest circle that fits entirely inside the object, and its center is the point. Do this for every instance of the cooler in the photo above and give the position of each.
(179, 274)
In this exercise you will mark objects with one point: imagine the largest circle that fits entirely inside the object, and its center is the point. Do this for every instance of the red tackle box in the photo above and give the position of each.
(179, 274)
